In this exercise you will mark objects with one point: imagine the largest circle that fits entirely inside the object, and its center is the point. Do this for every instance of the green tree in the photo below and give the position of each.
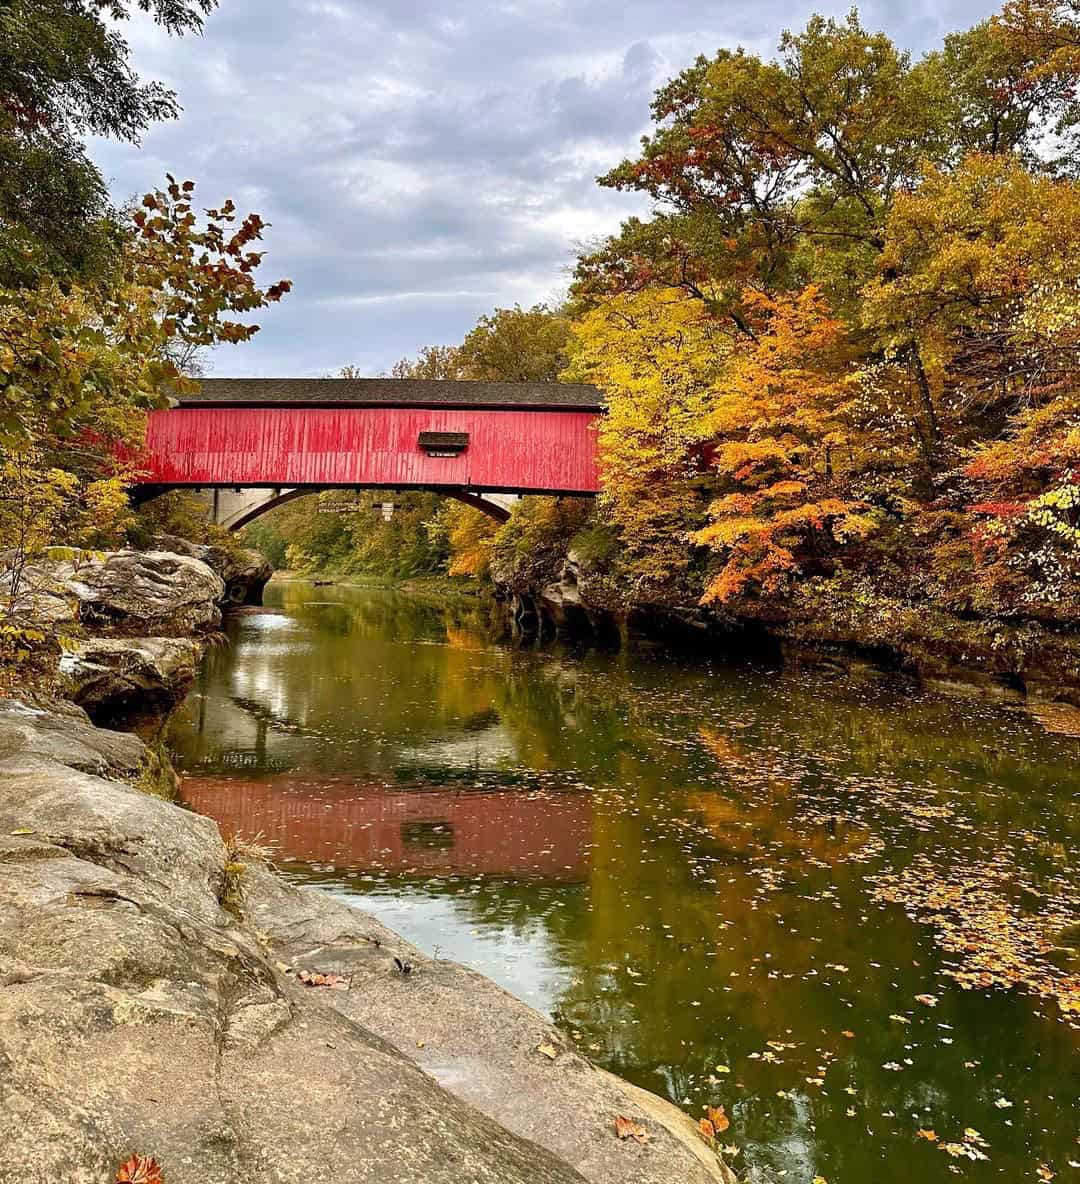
(66, 74)
(515, 345)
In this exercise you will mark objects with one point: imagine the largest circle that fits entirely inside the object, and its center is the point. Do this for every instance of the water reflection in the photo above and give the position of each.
(732, 886)
(421, 831)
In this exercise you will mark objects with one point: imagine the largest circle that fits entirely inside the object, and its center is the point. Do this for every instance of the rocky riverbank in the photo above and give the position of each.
(1003, 658)
(163, 991)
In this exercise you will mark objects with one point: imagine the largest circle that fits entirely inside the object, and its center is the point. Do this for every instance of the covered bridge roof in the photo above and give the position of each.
(392, 392)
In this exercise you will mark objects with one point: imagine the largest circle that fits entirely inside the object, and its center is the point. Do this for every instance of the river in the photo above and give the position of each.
(847, 910)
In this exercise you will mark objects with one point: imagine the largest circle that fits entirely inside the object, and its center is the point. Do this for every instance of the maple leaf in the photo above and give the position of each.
(627, 1128)
(139, 1169)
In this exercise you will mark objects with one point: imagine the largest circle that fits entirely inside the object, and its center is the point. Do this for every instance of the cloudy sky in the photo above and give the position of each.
(426, 161)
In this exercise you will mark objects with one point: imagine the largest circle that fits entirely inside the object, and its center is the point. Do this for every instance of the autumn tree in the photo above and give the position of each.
(81, 362)
(782, 445)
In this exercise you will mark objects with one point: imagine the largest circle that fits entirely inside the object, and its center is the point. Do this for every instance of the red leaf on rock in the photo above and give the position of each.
(627, 1128)
(139, 1169)
(312, 978)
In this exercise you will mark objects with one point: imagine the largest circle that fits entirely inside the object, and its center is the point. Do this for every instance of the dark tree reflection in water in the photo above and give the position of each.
(845, 910)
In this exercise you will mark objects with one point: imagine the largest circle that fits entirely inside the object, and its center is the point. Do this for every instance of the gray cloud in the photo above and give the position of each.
(423, 162)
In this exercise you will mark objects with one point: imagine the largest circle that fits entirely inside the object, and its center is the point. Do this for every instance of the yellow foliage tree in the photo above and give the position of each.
(470, 534)
(657, 355)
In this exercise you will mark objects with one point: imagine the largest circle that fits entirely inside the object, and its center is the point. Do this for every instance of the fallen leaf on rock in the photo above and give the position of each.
(139, 1169)
(549, 1050)
(312, 978)
(708, 1131)
(627, 1128)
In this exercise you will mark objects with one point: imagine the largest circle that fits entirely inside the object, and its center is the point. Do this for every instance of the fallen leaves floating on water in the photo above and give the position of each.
(929, 1136)
(139, 1169)
(927, 1000)
(983, 914)
(627, 1128)
(714, 1124)
(312, 978)
(719, 1119)
(970, 1148)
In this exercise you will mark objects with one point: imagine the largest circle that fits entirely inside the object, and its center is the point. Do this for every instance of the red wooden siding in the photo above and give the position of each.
(515, 451)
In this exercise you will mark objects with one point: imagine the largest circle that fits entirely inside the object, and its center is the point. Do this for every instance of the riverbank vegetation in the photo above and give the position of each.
(839, 355)
(103, 311)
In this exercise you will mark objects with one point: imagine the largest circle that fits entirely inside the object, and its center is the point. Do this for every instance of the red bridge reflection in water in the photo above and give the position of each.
(520, 834)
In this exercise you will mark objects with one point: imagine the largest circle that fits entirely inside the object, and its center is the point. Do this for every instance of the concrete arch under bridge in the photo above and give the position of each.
(253, 444)
(234, 509)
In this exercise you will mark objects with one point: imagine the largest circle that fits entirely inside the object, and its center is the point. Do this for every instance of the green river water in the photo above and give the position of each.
(846, 910)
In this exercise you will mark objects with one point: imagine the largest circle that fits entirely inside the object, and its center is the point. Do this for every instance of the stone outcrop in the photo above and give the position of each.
(129, 593)
(61, 733)
(480, 1043)
(125, 675)
(137, 1014)
(131, 625)
(245, 573)
(148, 593)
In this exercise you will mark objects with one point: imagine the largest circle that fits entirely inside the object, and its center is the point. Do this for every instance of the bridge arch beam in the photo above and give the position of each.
(236, 508)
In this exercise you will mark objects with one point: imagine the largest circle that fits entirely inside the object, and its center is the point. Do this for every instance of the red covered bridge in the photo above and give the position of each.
(269, 440)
